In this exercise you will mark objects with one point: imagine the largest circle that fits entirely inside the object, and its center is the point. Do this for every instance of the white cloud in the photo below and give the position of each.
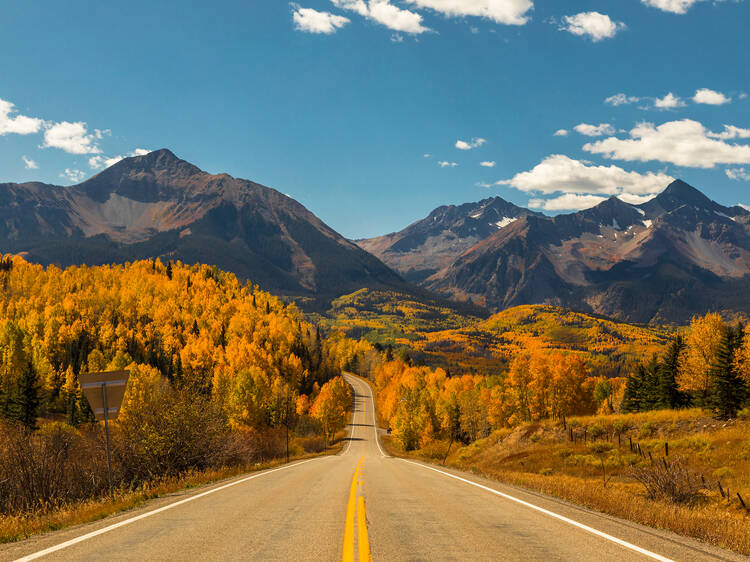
(19, 124)
(742, 96)
(487, 164)
(731, 132)
(595, 130)
(97, 162)
(483, 184)
(396, 18)
(427, 155)
(592, 24)
(508, 12)
(473, 143)
(313, 21)
(683, 143)
(445, 164)
(710, 97)
(30, 164)
(635, 199)
(71, 137)
(385, 13)
(674, 6)
(359, 6)
(559, 173)
(739, 174)
(670, 101)
(567, 202)
(621, 99)
(73, 175)
(561, 133)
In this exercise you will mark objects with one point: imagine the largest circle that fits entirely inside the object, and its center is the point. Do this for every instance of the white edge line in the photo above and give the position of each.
(375, 420)
(551, 514)
(103, 530)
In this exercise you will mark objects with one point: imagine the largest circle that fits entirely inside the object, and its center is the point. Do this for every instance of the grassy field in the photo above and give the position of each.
(707, 464)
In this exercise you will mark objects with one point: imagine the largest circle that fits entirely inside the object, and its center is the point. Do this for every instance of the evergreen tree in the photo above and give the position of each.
(354, 364)
(728, 390)
(169, 269)
(23, 403)
(633, 389)
(642, 388)
(668, 394)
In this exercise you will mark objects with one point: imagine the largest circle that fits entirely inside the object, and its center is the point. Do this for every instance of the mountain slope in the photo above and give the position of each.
(159, 205)
(427, 246)
(674, 256)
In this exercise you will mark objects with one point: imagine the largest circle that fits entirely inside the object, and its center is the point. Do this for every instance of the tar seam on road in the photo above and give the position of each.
(103, 530)
(348, 552)
(362, 538)
(551, 514)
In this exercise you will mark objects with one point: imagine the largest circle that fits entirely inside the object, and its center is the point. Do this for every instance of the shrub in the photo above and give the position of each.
(669, 480)
(170, 433)
(42, 469)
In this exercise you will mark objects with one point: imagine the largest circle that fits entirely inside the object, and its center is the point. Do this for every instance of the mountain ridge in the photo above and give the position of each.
(158, 205)
(663, 260)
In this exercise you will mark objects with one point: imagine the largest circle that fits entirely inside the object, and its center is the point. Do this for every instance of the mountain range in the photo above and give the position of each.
(158, 205)
(676, 255)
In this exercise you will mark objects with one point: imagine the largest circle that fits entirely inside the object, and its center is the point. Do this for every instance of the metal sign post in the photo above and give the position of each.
(105, 392)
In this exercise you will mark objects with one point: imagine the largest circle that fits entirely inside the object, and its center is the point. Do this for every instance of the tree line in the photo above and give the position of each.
(708, 367)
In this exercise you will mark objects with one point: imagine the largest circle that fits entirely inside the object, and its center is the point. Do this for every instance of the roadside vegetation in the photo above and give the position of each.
(219, 373)
(667, 446)
(683, 472)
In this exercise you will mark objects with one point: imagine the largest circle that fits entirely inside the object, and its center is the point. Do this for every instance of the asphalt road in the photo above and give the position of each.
(357, 504)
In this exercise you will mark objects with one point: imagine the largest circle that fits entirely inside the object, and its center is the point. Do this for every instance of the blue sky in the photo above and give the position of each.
(373, 112)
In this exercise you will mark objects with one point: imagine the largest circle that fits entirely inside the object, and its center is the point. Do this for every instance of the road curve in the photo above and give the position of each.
(358, 504)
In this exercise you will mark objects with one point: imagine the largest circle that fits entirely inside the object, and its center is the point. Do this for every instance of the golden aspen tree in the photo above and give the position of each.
(701, 346)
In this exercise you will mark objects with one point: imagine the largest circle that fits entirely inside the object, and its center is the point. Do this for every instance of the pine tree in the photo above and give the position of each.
(728, 390)
(633, 388)
(169, 269)
(668, 394)
(23, 403)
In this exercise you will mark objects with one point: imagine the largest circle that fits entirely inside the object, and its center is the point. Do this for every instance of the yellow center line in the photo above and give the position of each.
(348, 555)
(363, 540)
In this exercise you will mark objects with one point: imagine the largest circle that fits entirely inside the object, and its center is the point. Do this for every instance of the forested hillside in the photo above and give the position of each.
(463, 340)
(218, 371)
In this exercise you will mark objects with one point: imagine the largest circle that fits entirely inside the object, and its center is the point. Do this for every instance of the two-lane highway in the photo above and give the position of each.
(356, 504)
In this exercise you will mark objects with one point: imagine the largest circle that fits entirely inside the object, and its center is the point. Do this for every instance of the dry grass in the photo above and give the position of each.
(599, 473)
(19, 527)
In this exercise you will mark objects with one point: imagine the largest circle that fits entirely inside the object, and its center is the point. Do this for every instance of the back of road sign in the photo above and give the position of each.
(92, 385)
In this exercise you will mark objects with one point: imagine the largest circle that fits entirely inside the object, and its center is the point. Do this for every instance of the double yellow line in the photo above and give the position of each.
(356, 504)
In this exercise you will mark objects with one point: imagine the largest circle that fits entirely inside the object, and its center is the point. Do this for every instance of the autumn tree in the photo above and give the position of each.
(331, 406)
(701, 348)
